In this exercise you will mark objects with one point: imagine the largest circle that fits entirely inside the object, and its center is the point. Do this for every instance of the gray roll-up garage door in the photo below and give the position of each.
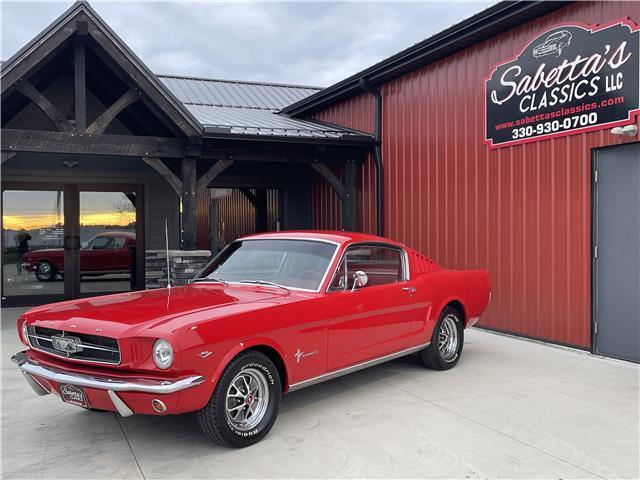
(617, 262)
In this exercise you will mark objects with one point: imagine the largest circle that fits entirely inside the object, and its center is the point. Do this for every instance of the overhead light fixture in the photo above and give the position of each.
(628, 130)
(70, 163)
(220, 192)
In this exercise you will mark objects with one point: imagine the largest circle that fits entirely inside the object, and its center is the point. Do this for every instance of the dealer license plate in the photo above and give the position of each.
(74, 395)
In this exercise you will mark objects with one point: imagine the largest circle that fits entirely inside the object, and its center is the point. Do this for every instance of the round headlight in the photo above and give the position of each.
(162, 354)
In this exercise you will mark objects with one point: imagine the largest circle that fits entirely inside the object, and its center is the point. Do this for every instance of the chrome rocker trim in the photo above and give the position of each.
(354, 368)
(160, 387)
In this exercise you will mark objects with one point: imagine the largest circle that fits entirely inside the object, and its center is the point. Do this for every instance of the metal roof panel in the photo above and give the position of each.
(235, 94)
(265, 122)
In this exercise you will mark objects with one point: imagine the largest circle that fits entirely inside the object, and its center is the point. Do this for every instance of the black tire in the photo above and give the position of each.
(432, 356)
(45, 271)
(214, 420)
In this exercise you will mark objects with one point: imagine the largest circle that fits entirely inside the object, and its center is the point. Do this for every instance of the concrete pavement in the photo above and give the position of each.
(510, 409)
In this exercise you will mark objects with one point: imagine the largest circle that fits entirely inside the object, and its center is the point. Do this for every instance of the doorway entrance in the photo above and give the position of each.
(616, 264)
(236, 212)
(65, 241)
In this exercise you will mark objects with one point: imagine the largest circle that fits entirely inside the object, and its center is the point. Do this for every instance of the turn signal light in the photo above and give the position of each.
(158, 405)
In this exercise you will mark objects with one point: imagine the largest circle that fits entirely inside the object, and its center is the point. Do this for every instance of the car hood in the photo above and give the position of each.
(127, 314)
(43, 251)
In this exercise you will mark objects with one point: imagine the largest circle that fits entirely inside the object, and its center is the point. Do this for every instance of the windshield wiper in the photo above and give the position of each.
(265, 282)
(210, 279)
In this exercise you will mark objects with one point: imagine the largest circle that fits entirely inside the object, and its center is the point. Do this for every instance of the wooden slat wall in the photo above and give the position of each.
(235, 214)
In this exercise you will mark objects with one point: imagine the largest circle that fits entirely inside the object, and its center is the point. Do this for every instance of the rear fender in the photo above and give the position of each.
(451, 299)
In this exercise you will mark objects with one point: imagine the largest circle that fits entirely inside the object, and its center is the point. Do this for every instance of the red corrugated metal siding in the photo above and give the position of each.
(236, 215)
(523, 212)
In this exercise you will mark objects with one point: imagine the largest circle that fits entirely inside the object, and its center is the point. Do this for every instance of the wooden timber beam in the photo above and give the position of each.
(101, 123)
(250, 196)
(189, 204)
(35, 55)
(59, 120)
(208, 176)
(68, 142)
(262, 213)
(330, 177)
(115, 55)
(349, 208)
(160, 167)
(80, 85)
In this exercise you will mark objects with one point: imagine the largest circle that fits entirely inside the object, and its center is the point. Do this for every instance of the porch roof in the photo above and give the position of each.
(227, 107)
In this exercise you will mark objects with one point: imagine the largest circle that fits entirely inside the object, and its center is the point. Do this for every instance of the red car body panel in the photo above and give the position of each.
(98, 260)
(336, 328)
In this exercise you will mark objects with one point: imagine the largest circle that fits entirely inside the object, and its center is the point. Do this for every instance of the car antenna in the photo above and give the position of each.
(166, 243)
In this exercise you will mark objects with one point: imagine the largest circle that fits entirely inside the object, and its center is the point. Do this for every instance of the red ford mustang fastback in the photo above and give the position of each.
(107, 252)
(272, 313)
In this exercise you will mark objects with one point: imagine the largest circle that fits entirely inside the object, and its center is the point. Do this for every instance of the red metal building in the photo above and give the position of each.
(523, 211)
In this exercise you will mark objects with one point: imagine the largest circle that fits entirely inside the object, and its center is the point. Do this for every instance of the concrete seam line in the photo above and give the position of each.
(488, 427)
(555, 346)
(135, 459)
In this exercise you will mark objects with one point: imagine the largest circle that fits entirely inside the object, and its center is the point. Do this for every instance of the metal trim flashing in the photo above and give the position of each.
(354, 368)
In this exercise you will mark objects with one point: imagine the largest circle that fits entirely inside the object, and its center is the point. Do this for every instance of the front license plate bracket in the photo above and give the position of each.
(73, 395)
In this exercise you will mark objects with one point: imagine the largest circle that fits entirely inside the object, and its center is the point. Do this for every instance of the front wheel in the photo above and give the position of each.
(45, 272)
(245, 403)
(447, 340)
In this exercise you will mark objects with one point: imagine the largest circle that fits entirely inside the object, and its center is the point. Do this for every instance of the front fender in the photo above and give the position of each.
(240, 347)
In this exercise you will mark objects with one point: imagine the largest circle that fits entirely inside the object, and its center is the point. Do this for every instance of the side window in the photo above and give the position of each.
(118, 243)
(383, 265)
(101, 243)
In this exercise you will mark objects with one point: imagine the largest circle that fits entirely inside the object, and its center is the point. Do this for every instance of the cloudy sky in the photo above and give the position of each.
(312, 43)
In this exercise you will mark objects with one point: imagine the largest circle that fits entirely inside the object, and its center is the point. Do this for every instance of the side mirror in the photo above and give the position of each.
(360, 279)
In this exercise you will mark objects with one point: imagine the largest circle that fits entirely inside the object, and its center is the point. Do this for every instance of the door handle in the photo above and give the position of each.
(411, 290)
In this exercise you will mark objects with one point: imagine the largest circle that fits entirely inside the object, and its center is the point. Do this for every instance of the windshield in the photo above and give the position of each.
(300, 264)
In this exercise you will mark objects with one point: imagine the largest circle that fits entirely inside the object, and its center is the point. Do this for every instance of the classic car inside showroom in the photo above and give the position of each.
(429, 268)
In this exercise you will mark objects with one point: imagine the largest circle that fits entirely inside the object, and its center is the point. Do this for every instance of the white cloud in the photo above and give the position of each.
(315, 43)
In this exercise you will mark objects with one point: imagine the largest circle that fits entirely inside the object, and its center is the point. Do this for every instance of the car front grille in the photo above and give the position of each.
(90, 348)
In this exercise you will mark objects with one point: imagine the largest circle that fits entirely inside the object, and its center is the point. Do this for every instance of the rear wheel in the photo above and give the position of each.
(45, 272)
(447, 341)
(245, 403)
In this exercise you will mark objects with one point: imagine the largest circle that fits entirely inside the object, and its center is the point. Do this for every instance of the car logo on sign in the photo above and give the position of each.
(66, 344)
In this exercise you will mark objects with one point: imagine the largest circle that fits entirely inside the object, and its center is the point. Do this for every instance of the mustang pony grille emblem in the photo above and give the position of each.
(300, 354)
(66, 344)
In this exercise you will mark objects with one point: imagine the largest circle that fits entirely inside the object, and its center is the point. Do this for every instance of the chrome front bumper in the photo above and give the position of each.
(32, 367)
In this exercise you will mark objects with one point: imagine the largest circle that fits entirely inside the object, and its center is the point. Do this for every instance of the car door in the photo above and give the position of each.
(98, 254)
(375, 319)
(121, 254)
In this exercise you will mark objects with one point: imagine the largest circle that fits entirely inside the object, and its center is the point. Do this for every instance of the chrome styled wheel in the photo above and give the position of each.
(447, 341)
(247, 399)
(44, 271)
(448, 338)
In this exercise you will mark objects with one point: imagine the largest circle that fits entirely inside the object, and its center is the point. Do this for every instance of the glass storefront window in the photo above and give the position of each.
(32, 242)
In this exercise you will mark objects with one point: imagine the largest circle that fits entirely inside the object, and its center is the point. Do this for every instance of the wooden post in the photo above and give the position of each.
(189, 202)
(213, 229)
(261, 210)
(349, 220)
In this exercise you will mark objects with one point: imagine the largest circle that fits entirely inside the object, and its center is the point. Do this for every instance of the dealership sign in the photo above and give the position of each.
(571, 78)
